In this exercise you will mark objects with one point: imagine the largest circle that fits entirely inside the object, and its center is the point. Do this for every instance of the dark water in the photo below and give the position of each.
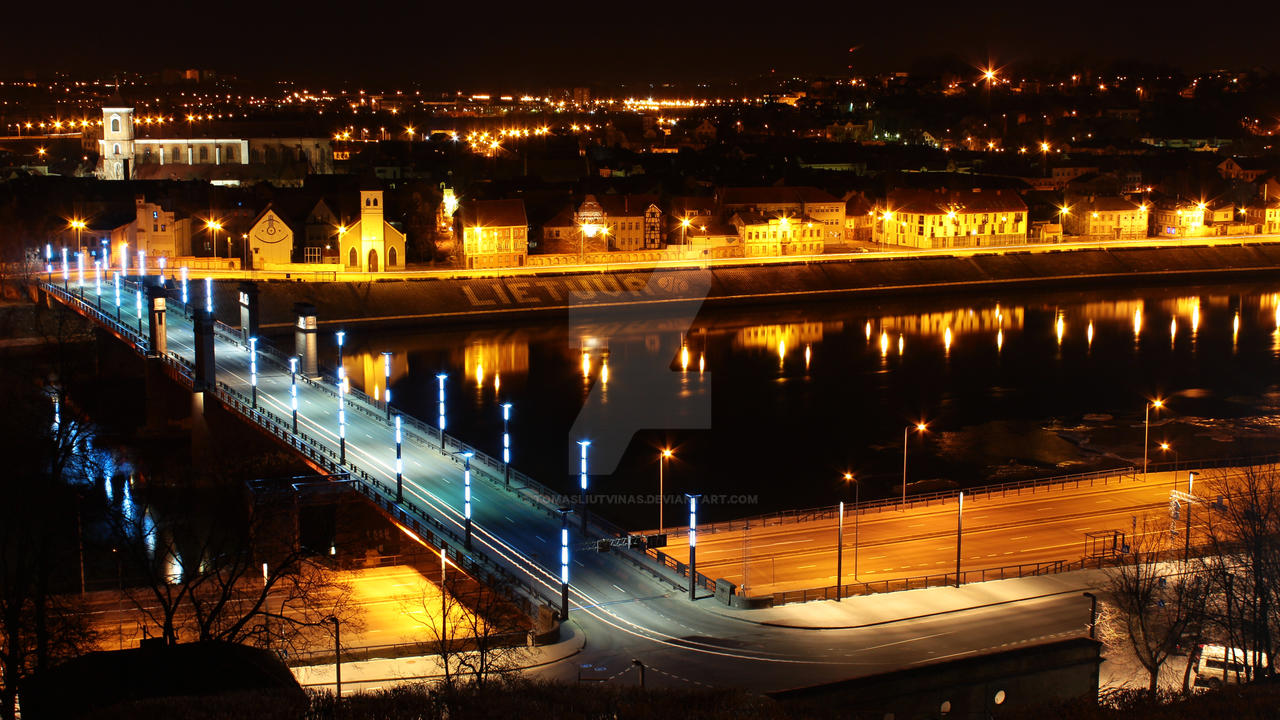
(1030, 384)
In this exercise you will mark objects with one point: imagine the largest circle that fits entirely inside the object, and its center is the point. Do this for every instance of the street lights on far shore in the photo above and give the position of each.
(78, 225)
(1146, 431)
(920, 427)
(213, 226)
(1166, 448)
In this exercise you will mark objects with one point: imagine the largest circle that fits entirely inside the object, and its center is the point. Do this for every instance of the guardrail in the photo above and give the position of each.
(917, 582)
(1019, 487)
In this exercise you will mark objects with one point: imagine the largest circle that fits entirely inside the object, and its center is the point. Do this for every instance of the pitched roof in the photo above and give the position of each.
(494, 213)
(626, 205)
(775, 194)
(929, 202)
(1108, 203)
(755, 217)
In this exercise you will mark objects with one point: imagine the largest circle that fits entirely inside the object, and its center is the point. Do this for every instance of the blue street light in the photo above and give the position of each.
(440, 378)
(117, 279)
(466, 492)
(293, 390)
(97, 281)
(208, 294)
(582, 480)
(161, 263)
(66, 270)
(106, 254)
(342, 422)
(137, 296)
(386, 366)
(693, 545)
(564, 563)
(48, 259)
(142, 263)
(399, 464)
(124, 259)
(342, 372)
(506, 439)
(253, 369)
(186, 299)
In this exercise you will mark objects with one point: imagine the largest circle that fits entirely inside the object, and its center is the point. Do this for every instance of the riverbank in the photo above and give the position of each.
(401, 302)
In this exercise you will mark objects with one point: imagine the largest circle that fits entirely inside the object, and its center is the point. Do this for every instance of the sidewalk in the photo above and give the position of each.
(881, 608)
(383, 672)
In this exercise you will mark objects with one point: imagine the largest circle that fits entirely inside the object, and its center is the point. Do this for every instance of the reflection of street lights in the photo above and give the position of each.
(1146, 431)
(920, 427)
(662, 498)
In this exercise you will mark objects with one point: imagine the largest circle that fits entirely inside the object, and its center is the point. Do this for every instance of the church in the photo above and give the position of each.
(371, 244)
(283, 161)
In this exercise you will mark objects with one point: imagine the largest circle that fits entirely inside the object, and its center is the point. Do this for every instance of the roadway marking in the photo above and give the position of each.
(619, 589)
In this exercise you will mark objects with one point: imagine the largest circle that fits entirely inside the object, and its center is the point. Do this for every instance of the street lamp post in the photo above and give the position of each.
(506, 441)
(342, 422)
(186, 298)
(80, 272)
(564, 564)
(66, 270)
(293, 390)
(440, 378)
(466, 492)
(117, 279)
(693, 545)
(78, 225)
(213, 226)
(582, 481)
(840, 552)
(959, 526)
(160, 263)
(208, 294)
(142, 263)
(386, 366)
(1146, 431)
(253, 369)
(857, 501)
(662, 497)
(341, 335)
(48, 260)
(97, 281)
(921, 427)
(137, 296)
(399, 464)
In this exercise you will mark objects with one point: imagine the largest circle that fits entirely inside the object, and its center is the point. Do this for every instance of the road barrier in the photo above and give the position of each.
(918, 582)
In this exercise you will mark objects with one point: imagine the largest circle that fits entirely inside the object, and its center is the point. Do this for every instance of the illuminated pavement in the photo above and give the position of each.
(1046, 526)
(622, 611)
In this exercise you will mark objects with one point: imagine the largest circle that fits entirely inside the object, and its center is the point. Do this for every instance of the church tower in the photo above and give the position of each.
(116, 147)
(373, 245)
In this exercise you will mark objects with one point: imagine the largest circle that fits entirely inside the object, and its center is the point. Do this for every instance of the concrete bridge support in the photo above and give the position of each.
(248, 311)
(205, 378)
(304, 340)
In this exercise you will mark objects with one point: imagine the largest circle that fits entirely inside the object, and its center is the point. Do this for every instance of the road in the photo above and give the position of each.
(623, 610)
(890, 543)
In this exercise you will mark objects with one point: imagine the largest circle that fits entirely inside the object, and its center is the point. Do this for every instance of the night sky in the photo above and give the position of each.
(534, 45)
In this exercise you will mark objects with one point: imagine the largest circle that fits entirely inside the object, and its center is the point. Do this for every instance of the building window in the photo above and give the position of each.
(115, 149)
(115, 123)
(204, 153)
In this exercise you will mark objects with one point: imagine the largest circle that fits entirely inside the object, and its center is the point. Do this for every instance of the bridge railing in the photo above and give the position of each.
(827, 512)
(916, 582)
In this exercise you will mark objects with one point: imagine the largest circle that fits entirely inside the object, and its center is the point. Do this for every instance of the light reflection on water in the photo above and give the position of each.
(993, 375)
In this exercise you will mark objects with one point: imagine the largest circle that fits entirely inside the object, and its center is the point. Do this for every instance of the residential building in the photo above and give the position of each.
(777, 234)
(1265, 215)
(1247, 169)
(371, 244)
(607, 223)
(270, 240)
(495, 233)
(1177, 218)
(151, 228)
(859, 219)
(1105, 218)
(816, 205)
(946, 219)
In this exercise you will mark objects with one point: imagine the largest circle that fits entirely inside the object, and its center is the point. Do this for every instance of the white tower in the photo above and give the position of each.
(116, 146)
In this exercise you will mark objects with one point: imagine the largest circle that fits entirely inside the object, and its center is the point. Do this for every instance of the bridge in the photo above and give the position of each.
(508, 529)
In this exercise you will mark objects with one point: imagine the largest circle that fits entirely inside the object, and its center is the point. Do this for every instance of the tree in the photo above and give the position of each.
(225, 568)
(45, 451)
(1154, 598)
(478, 634)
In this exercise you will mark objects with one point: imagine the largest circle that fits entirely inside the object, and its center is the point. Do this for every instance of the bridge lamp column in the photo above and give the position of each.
(342, 422)
(186, 298)
(662, 498)
(506, 440)
(1146, 431)
(80, 272)
(386, 367)
(959, 528)
(137, 295)
(293, 390)
(97, 281)
(582, 481)
(253, 369)
(124, 259)
(342, 336)
(466, 493)
(48, 260)
(117, 279)
(693, 545)
(440, 378)
(142, 263)
(161, 263)
(208, 294)
(66, 270)
(564, 564)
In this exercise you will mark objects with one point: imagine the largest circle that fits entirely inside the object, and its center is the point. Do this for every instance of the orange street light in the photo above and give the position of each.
(663, 457)
(920, 427)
